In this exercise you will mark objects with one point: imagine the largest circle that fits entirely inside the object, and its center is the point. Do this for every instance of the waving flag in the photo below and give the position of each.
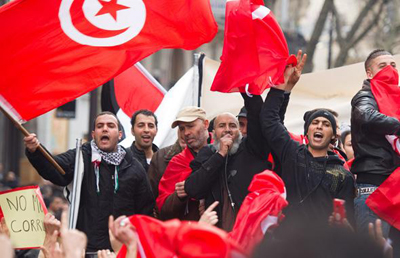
(54, 51)
(255, 51)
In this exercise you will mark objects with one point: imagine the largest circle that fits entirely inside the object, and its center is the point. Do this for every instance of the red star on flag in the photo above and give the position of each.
(111, 7)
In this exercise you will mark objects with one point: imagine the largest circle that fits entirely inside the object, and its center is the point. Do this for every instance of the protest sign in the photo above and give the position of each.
(24, 210)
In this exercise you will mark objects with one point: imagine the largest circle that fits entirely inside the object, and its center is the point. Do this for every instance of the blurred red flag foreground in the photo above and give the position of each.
(260, 210)
(255, 49)
(55, 51)
(180, 239)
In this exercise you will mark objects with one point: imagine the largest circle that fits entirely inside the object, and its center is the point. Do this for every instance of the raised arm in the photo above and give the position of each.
(273, 130)
(254, 141)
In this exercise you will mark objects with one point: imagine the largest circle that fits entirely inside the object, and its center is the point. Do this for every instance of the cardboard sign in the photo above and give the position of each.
(24, 210)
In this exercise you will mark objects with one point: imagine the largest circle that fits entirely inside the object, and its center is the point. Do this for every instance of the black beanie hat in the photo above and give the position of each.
(310, 116)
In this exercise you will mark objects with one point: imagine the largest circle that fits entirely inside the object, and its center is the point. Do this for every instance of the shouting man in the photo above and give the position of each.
(114, 183)
(313, 175)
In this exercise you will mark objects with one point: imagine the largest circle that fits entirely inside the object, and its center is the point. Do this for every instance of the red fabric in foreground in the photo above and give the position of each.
(385, 200)
(265, 199)
(177, 170)
(178, 239)
(255, 49)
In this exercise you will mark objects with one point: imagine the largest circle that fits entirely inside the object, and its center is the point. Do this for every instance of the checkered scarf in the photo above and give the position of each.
(113, 158)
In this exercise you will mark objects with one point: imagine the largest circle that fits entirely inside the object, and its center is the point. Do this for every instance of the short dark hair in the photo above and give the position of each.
(374, 54)
(145, 112)
(106, 113)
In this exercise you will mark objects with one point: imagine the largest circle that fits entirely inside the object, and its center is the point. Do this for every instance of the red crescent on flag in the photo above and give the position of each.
(85, 27)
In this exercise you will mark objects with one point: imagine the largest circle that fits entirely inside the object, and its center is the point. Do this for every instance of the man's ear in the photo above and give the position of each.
(369, 73)
(333, 139)
(92, 134)
(132, 131)
(206, 123)
(119, 135)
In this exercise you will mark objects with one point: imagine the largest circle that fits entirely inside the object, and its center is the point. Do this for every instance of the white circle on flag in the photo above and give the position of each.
(131, 19)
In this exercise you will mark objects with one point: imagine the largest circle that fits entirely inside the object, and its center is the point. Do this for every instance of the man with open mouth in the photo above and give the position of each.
(114, 183)
(313, 175)
(144, 128)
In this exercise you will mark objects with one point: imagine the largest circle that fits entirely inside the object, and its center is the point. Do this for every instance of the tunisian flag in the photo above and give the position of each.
(255, 50)
(173, 238)
(261, 209)
(54, 51)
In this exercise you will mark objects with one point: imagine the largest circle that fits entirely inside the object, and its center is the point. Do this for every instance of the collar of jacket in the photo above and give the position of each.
(135, 150)
(331, 158)
(366, 85)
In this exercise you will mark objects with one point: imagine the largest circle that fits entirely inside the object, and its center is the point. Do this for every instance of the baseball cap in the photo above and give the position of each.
(189, 114)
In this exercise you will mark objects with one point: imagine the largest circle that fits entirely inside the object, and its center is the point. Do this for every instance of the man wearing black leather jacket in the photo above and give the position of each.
(374, 158)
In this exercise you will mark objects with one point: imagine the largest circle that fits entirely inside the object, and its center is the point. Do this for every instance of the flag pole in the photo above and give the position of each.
(40, 147)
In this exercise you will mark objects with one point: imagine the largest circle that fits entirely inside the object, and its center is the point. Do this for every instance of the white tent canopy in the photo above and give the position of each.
(332, 89)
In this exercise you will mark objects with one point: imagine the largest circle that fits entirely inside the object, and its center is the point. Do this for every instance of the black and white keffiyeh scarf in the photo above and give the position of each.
(113, 158)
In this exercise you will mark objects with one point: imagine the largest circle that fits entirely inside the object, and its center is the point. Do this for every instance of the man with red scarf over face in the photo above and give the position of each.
(371, 121)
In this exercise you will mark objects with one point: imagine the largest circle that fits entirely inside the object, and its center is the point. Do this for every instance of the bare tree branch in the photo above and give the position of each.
(351, 40)
(339, 36)
(371, 25)
(361, 16)
(316, 34)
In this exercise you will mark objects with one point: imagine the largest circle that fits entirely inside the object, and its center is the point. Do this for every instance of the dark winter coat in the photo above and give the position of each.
(134, 195)
(311, 183)
(210, 170)
(374, 157)
(141, 156)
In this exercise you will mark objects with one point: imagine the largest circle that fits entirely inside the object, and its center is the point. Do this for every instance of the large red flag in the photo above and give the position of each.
(255, 49)
(54, 51)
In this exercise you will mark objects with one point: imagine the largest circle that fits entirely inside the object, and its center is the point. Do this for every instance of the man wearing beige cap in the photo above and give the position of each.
(172, 201)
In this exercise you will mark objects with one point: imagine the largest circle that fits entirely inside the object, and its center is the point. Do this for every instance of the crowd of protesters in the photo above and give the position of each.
(208, 175)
